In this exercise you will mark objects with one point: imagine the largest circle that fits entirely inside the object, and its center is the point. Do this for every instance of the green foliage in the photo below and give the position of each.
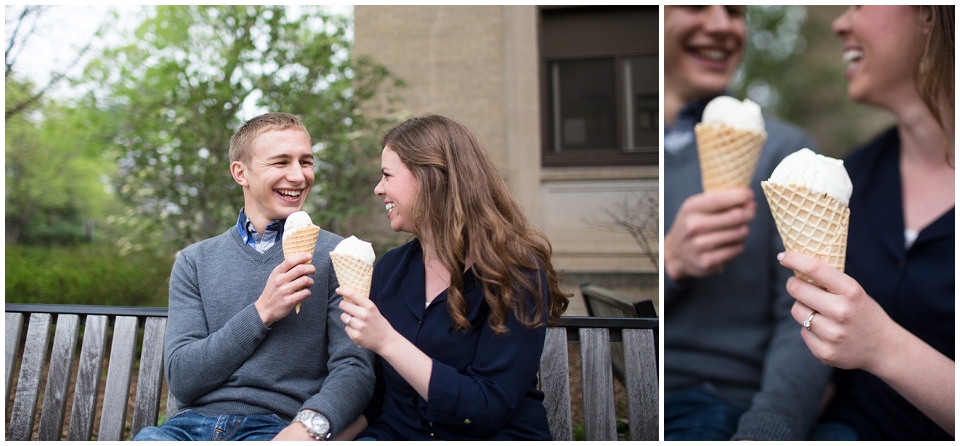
(793, 68)
(774, 43)
(578, 433)
(95, 274)
(191, 75)
(54, 170)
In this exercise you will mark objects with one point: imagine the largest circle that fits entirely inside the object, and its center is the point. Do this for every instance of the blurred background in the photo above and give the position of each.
(118, 120)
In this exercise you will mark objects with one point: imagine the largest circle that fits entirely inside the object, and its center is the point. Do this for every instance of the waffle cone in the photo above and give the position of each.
(303, 239)
(352, 272)
(728, 156)
(299, 240)
(810, 223)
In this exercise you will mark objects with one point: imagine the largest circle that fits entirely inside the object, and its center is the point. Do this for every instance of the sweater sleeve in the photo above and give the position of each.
(349, 385)
(198, 361)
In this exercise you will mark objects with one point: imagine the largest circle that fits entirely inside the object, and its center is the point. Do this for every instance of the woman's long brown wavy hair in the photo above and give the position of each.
(471, 215)
(935, 72)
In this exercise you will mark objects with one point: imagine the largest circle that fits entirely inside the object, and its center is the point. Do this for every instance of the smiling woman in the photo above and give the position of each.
(733, 366)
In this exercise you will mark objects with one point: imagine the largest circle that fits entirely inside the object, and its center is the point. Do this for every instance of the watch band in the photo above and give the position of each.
(309, 419)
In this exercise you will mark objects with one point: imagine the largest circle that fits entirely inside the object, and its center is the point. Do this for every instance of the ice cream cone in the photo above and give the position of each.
(728, 156)
(352, 272)
(810, 223)
(302, 239)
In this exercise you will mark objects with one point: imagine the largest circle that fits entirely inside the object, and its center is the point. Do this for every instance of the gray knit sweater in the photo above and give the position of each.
(733, 331)
(221, 359)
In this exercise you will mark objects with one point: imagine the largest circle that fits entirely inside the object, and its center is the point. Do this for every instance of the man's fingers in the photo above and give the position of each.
(720, 200)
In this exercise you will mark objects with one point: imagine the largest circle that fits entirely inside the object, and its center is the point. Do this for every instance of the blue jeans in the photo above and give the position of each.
(191, 426)
(696, 414)
(833, 431)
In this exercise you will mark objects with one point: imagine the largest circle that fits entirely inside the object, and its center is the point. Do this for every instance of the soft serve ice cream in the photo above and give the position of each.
(809, 196)
(353, 263)
(299, 235)
(730, 137)
(818, 173)
(741, 115)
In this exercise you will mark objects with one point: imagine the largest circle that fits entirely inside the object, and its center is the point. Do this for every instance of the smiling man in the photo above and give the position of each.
(241, 364)
(734, 362)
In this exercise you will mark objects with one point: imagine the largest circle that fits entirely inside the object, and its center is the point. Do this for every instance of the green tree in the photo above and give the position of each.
(191, 75)
(55, 166)
(794, 70)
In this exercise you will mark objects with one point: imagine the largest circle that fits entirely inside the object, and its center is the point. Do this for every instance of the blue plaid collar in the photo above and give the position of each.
(681, 134)
(271, 235)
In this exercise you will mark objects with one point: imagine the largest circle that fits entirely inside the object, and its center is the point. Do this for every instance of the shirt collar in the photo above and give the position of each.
(681, 134)
(248, 233)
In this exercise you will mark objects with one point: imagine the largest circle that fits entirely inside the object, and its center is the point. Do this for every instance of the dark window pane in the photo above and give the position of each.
(642, 101)
(584, 105)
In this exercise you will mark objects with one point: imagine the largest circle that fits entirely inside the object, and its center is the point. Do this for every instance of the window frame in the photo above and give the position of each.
(620, 156)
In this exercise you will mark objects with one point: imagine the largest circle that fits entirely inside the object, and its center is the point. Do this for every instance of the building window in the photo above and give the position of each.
(583, 105)
(601, 95)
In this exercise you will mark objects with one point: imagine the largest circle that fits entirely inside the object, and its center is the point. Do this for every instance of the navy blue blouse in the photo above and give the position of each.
(482, 386)
(915, 286)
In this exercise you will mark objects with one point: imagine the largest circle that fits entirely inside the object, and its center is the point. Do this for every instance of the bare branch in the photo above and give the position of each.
(55, 77)
(11, 59)
(639, 215)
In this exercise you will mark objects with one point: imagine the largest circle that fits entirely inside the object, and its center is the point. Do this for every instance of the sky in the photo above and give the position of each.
(58, 35)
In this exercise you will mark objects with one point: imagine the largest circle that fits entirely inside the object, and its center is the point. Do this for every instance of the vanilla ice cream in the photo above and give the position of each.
(296, 220)
(744, 115)
(356, 248)
(818, 173)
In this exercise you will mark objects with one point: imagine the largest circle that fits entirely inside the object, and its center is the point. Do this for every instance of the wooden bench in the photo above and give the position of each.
(29, 353)
(603, 302)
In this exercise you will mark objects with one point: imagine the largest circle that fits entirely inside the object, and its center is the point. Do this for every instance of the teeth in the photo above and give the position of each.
(716, 55)
(852, 55)
(292, 193)
(390, 207)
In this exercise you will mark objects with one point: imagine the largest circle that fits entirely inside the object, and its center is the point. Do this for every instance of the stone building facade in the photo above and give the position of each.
(566, 101)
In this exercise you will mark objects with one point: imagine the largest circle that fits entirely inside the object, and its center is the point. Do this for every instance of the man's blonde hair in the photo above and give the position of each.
(241, 141)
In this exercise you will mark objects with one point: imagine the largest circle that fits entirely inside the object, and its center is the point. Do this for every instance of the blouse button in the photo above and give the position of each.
(899, 266)
(467, 421)
(432, 435)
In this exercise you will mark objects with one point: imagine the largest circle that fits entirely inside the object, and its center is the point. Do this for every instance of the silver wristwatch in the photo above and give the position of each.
(317, 425)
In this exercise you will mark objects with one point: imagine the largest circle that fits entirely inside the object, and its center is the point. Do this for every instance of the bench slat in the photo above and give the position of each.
(117, 391)
(150, 380)
(28, 385)
(642, 384)
(87, 388)
(11, 344)
(172, 405)
(599, 411)
(58, 378)
(555, 384)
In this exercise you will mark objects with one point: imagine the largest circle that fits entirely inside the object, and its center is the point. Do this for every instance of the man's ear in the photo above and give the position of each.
(239, 172)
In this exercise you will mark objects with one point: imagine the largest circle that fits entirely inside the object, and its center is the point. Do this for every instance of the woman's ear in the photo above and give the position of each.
(925, 19)
(239, 170)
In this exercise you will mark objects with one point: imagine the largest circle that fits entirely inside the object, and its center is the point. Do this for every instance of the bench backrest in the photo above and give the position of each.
(597, 338)
(30, 326)
(59, 359)
(603, 302)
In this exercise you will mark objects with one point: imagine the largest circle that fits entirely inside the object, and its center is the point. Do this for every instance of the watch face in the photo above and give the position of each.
(319, 425)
